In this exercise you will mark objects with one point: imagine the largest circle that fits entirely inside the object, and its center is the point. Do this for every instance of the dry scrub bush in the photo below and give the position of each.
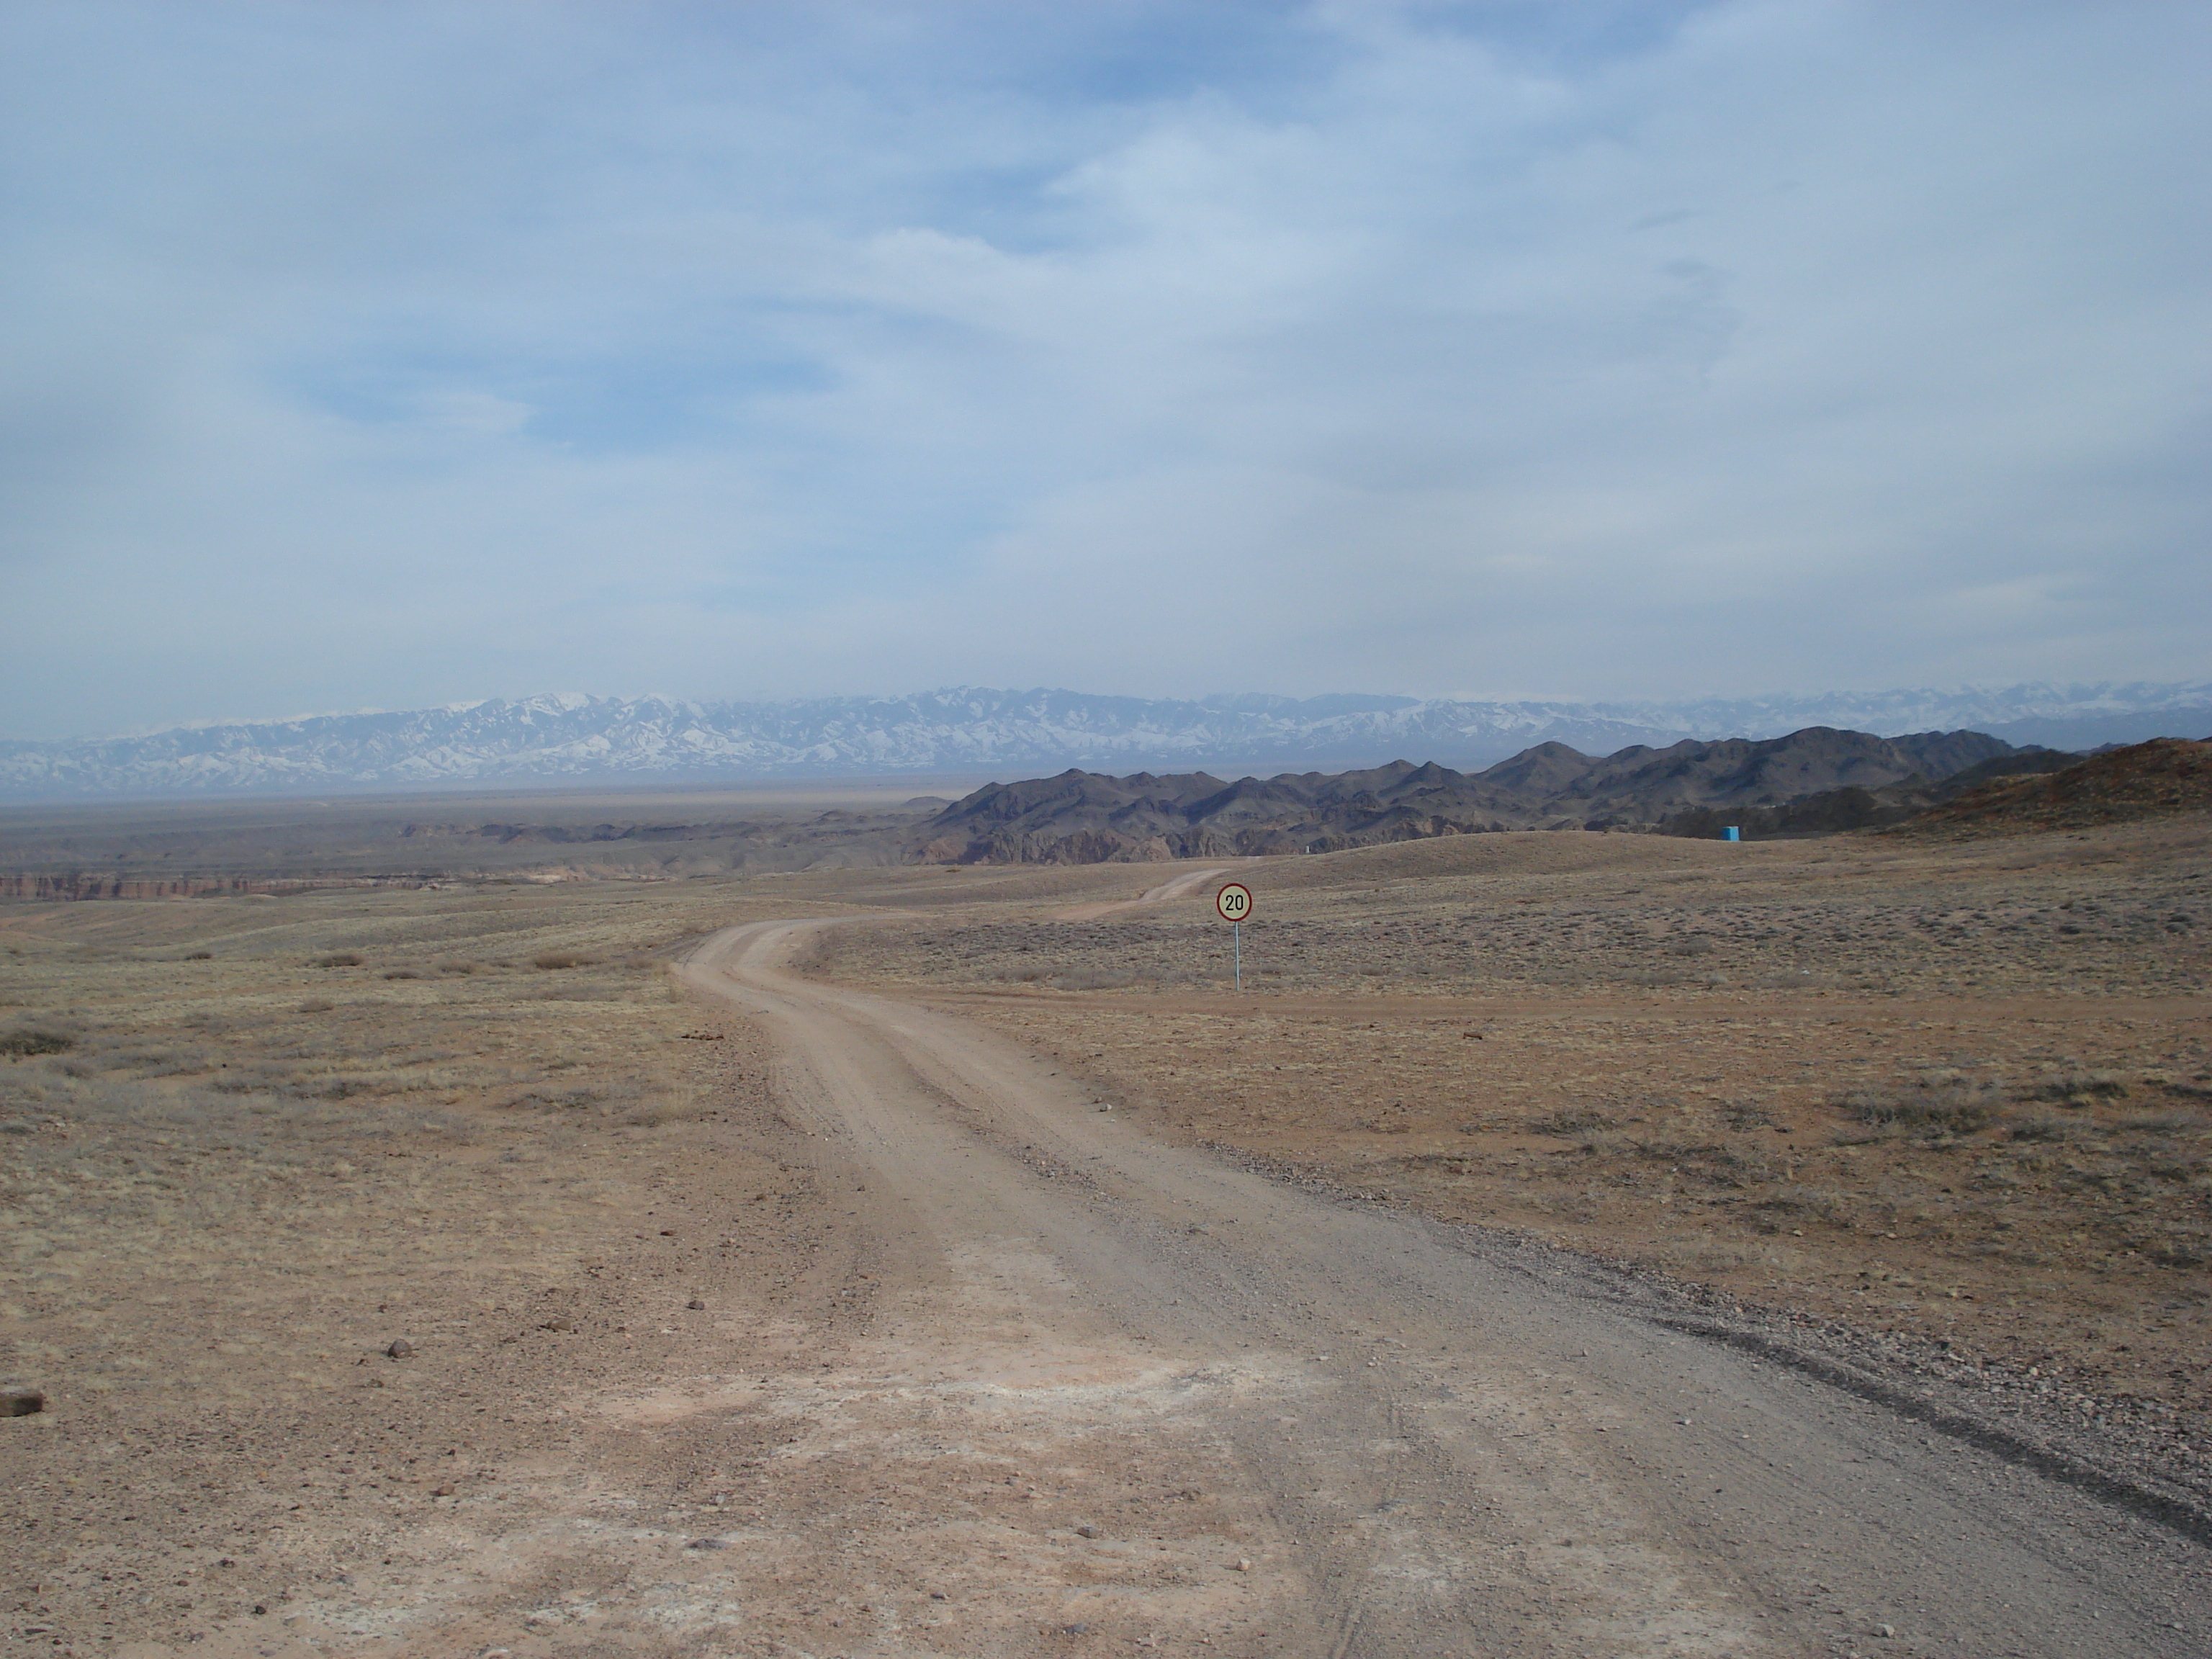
(558, 959)
(340, 959)
(2080, 1088)
(28, 1040)
(593, 990)
(632, 1103)
(1569, 1121)
(565, 1100)
(2159, 1122)
(1792, 1200)
(159, 1062)
(132, 1153)
(1094, 979)
(1941, 1101)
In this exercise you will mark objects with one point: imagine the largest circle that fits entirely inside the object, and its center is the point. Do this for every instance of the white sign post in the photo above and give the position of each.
(1234, 903)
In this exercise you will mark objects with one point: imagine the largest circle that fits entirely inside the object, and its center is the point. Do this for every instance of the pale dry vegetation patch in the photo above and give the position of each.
(1580, 914)
(224, 1199)
(201, 1119)
(1970, 1066)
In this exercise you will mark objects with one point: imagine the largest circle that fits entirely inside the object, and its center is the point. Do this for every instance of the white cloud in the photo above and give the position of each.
(438, 352)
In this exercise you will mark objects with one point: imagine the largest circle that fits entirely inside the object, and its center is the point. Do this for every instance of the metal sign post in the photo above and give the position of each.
(1233, 904)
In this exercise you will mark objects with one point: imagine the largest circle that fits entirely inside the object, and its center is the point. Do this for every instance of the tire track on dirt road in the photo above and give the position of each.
(1182, 886)
(1454, 1450)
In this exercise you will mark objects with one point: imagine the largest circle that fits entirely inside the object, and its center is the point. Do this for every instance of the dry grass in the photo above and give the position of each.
(1953, 1091)
(224, 1199)
(1575, 915)
(1944, 1090)
(171, 1114)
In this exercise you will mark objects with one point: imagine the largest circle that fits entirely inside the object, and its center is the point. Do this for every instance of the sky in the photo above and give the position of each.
(393, 355)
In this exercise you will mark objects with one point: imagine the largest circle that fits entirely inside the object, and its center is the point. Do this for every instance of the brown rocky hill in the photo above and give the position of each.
(1088, 817)
(1832, 812)
(2158, 779)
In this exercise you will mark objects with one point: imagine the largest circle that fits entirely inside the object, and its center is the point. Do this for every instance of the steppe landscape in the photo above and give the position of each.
(649, 646)
(548, 1260)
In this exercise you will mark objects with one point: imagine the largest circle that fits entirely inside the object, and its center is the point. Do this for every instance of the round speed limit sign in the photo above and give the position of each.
(1234, 902)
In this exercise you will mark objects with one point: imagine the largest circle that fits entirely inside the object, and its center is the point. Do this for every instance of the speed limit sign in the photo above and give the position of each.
(1234, 902)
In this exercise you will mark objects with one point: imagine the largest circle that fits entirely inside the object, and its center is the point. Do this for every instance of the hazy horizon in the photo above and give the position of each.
(1218, 698)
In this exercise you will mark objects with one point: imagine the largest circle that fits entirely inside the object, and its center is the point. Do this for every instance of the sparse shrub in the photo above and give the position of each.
(27, 1040)
(2045, 1126)
(1792, 1200)
(568, 1100)
(2156, 1122)
(162, 1062)
(1942, 1101)
(317, 1005)
(1792, 979)
(402, 973)
(460, 967)
(1093, 979)
(2181, 1253)
(556, 959)
(2080, 1088)
(579, 990)
(339, 959)
(1568, 1120)
(199, 956)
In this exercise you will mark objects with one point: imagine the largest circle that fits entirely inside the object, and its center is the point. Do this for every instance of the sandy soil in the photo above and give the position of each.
(979, 1367)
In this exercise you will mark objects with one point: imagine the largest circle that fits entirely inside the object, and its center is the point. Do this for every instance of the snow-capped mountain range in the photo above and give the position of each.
(965, 732)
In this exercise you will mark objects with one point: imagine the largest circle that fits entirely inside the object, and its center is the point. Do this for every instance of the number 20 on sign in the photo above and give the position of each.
(1234, 902)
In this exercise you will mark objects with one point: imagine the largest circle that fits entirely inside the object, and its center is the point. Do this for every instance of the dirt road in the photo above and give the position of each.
(1190, 882)
(1439, 1443)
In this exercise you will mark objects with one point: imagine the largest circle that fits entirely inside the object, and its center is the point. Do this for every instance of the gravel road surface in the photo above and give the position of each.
(1449, 1447)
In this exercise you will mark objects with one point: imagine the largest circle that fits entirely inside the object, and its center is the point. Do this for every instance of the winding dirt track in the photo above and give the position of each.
(1190, 882)
(1459, 1444)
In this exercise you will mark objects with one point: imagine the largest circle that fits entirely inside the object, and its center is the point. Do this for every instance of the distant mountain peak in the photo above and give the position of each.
(562, 737)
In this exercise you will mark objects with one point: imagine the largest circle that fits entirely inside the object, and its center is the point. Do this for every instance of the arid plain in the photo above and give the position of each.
(452, 1270)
